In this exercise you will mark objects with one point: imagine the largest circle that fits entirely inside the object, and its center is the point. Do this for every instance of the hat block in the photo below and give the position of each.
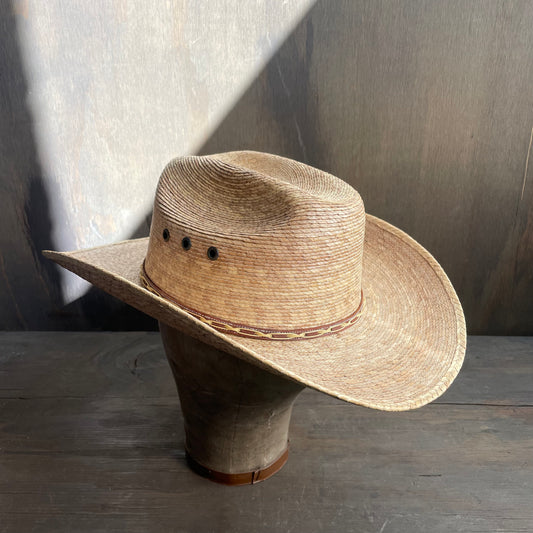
(236, 414)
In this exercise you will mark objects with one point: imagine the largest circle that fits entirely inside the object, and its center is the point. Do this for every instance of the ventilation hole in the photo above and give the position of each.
(186, 243)
(212, 253)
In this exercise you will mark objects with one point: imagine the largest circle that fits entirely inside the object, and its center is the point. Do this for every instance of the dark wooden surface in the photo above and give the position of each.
(91, 439)
(425, 106)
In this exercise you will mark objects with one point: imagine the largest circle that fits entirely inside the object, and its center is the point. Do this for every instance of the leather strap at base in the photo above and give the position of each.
(245, 478)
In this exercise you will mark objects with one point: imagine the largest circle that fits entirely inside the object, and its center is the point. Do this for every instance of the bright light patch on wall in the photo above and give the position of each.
(117, 89)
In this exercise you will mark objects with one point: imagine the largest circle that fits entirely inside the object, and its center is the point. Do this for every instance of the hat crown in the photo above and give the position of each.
(257, 240)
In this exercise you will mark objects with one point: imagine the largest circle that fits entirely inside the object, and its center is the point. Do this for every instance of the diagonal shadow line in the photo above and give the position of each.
(279, 99)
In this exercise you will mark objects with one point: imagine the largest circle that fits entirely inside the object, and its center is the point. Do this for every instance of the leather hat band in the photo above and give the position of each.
(252, 332)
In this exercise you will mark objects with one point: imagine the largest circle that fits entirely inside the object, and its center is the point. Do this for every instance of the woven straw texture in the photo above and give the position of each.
(289, 238)
(295, 250)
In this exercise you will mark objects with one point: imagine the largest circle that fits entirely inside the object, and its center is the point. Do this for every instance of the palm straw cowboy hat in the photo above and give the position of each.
(276, 263)
(272, 261)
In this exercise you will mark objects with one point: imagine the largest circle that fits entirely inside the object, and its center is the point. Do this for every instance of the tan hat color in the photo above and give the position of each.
(277, 263)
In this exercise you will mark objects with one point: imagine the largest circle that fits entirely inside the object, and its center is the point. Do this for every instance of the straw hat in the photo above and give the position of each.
(276, 262)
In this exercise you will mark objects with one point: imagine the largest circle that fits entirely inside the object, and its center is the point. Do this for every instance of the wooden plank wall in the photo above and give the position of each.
(425, 107)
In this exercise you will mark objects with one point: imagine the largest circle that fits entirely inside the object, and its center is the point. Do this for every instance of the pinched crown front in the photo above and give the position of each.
(257, 245)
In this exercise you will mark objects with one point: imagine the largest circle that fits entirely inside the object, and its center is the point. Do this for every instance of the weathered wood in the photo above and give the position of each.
(90, 114)
(426, 109)
(91, 439)
(127, 365)
(236, 415)
(424, 106)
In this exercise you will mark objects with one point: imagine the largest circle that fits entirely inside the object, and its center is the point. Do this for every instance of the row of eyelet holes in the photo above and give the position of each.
(212, 252)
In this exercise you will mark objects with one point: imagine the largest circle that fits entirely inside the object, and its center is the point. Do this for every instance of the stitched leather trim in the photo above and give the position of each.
(242, 330)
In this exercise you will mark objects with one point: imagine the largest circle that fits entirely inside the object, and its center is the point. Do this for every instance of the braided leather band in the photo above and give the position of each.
(242, 330)
(245, 478)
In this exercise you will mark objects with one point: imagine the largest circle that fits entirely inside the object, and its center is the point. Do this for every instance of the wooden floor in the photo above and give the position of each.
(91, 439)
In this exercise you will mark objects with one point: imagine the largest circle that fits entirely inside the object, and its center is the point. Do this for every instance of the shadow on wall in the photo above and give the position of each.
(30, 285)
(413, 105)
(433, 150)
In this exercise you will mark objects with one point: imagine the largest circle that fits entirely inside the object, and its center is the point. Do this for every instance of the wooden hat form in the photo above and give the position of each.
(236, 414)
(267, 275)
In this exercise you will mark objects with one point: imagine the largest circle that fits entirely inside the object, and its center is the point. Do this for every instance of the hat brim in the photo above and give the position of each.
(403, 352)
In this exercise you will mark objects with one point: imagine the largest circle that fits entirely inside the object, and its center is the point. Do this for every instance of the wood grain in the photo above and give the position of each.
(95, 99)
(91, 439)
(425, 107)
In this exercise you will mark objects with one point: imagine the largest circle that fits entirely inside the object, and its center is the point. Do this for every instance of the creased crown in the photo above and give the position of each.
(257, 240)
